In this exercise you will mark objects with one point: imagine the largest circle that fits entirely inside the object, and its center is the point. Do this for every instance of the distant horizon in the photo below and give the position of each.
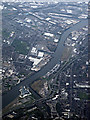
(45, 0)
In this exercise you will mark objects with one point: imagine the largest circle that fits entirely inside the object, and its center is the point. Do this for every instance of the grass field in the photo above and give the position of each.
(20, 47)
(84, 96)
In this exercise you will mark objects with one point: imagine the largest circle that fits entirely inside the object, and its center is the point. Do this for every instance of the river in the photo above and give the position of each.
(12, 94)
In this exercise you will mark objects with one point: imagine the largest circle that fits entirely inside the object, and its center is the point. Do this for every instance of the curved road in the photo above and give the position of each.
(12, 94)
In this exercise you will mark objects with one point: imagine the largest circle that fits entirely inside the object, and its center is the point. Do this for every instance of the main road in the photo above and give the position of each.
(14, 92)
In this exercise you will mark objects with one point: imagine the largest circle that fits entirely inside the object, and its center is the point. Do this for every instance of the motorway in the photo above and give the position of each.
(12, 94)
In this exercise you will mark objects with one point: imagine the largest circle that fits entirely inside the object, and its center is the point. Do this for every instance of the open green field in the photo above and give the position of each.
(20, 47)
(84, 96)
(5, 33)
